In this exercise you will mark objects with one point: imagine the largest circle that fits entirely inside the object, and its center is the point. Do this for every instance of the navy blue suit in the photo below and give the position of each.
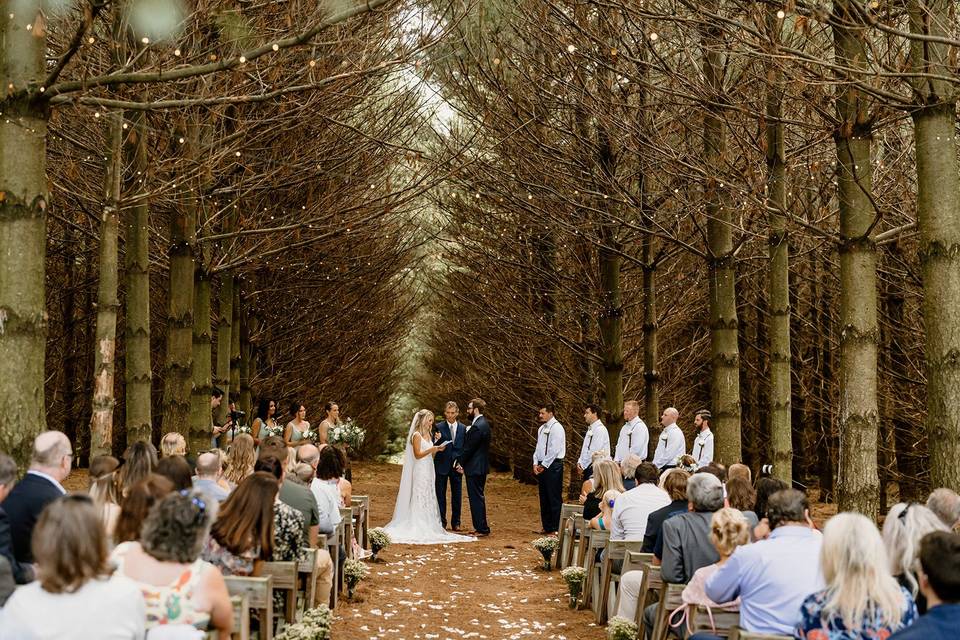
(22, 572)
(443, 464)
(23, 507)
(476, 466)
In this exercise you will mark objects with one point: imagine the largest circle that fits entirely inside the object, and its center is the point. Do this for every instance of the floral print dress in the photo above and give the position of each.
(815, 624)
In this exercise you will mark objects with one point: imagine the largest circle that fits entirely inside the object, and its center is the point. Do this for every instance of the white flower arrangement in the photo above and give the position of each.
(690, 465)
(237, 430)
(353, 572)
(315, 625)
(266, 431)
(548, 543)
(348, 433)
(574, 575)
(621, 629)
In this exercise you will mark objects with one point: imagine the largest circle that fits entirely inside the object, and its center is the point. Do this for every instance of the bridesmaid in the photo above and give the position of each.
(333, 417)
(265, 412)
(293, 432)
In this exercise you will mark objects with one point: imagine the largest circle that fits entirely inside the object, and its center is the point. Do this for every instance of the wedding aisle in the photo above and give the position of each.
(493, 589)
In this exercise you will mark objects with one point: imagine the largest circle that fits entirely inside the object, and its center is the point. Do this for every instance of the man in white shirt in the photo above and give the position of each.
(634, 435)
(703, 443)
(632, 508)
(672, 444)
(595, 439)
(548, 468)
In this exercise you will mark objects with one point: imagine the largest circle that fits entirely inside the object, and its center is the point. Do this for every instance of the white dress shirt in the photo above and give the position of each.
(703, 447)
(596, 439)
(453, 432)
(670, 447)
(633, 507)
(634, 438)
(551, 443)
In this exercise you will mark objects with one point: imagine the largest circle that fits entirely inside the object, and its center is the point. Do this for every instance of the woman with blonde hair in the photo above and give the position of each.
(103, 490)
(172, 444)
(606, 477)
(240, 459)
(862, 599)
(903, 528)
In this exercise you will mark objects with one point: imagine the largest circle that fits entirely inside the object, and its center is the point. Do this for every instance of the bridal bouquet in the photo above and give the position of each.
(315, 625)
(574, 576)
(353, 572)
(347, 433)
(546, 547)
(379, 540)
(621, 629)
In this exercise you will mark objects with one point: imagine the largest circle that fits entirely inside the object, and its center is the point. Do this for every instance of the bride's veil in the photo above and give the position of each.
(401, 511)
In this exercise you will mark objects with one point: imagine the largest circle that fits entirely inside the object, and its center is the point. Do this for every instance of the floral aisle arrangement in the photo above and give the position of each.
(353, 572)
(348, 433)
(315, 625)
(379, 540)
(546, 546)
(621, 629)
(574, 576)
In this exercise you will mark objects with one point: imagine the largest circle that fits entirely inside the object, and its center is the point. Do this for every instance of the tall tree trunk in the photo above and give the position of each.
(139, 375)
(71, 262)
(235, 345)
(246, 366)
(200, 416)
(105, 343)
(224, 344)
(857, 482)
(938, 213)
(779, 271)
(23, 227)
(178, 368)
(724, 353)
(651, 377)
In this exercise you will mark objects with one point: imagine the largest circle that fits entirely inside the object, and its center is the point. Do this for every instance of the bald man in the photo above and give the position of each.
(49, 466)
(671, 444)
(208, 476)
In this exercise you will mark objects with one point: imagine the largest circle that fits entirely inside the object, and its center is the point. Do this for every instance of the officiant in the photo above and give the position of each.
(548, 468)
(445, 463)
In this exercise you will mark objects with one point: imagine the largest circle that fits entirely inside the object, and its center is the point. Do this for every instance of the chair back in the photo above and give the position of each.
(716, 621)
(739, 634)
(633, 560)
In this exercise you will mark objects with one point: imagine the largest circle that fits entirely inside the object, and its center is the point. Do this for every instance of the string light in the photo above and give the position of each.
(781, 15)
(90, 40)
(145, 40)
(276, 47)
(653, 37)
(571, 48)
(176, 52)
(243, 59)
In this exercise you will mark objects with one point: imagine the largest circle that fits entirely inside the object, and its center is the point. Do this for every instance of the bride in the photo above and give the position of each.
(416, 516)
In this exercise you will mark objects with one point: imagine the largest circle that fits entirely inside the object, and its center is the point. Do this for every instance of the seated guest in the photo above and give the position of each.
(773, 577)
(766, 487)
(172, 444)
(606, 476)
(946, 505)
(21, 572)
(606, 510)
(324, 491)
(674, 482)
(861, 600)
(176, 469)
(7, 584)
(588, 485)
(49, 466)
(343, 484)
(208, 475)
(221, 480)
(242, 535)
(628, 467)
(903, 528)
(303, 475)
(103, 490)
(240, 459)
(135, 507)
(139, 461)
(716, 469)
(742, 497)
(633, 507)
(177, 586)
(739, 470)
(75, 596)
(100, 466)
(939, 575)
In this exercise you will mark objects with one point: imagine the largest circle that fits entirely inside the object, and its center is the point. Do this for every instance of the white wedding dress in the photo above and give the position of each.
(416, 516)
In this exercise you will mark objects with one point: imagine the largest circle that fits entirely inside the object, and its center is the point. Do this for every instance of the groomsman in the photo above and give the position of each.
(475, 465)
(672, 444)
(548, 468)
(445, 464)
(595, 439)
(703, 443)
(634, 435)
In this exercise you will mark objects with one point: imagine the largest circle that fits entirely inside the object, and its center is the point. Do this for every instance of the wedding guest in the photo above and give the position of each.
(548, 456)
(208, 474)
(221, 480)
(100, 466)
(75, 597)
(7, 584)
(588, 485)
(671, 444)
(332, 410)
(903, 528)
(327, 495)
(103, 490)
(293, 433)
(861, 598)
(946, 504)
(139, 461)
(135, 507)
(304, 474)
(602, 521)
(299, 497)
(628, 467)
(633, 507)
(240, 459)
(266, 409)
(21, 572)
(177, 586)
(773, 576)
(739, 470)
(766, 487)
(595, 439)
(715, 468)
(742, 496)
(50, 465)
(290, 464)
(939, 578)
(343, 485)
(242, 535)
(686, 536)
(674, 482)
(634, 436)
(606, 477)
(176, 469)
(703, 442)
(172, 444)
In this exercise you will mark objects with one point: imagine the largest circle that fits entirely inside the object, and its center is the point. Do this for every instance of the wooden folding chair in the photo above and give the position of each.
(362, 505)
(739, 634)
(565, 537)
(669, 600)
(307, 573)
(258, 592)
(596, 542)
(650, 586)
(616, 550)
(241, 620)
(581, 529)
(332, 544)
(284, 576)
(716, 621)
(346, 520)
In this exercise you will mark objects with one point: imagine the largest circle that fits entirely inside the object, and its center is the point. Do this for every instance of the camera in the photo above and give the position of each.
(766, 469)
(237, 417)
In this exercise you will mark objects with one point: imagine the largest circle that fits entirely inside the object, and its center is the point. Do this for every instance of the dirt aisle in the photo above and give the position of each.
(492, 589)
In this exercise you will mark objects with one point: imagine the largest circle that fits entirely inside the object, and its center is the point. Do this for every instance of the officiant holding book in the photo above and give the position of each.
(445, 464)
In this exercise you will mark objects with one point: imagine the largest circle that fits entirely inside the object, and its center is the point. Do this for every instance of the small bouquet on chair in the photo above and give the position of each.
(353, 572)
(574, 576)
(546, 546)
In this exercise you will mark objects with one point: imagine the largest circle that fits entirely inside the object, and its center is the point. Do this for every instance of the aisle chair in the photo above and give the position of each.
(307, 574)
(363, 519)
(649, 588)
(259, 598)
(596, 542)
(670, 599)
(739, 634)
(716, 621)
(285, 580)
(564, 538)
(616, 550)
(346, 519)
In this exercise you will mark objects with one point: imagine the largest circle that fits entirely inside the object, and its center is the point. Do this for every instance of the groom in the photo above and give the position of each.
(444, 463)
(474, 464)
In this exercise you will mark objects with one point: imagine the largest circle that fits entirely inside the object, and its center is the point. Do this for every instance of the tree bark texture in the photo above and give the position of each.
(200, 415)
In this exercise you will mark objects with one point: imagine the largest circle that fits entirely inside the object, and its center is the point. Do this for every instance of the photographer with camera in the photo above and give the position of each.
(224, 434)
